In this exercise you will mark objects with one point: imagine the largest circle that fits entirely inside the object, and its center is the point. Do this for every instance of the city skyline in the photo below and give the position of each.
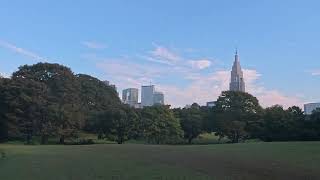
(134, 43)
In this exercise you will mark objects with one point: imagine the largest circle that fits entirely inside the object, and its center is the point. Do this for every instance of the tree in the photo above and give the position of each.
(160, 125)
(275, 124)
(191, 121)
(62, 94)
(22, 101)
(282, 125)
(312, 127)
(296, 122)
(233, 112)
(95, 97)
(117, 123)
(3, 110)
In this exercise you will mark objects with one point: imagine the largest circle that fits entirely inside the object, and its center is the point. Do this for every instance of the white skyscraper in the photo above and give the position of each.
(158, 98)
(237, 81)
(130, 96)
(308, 108)
(147, 95)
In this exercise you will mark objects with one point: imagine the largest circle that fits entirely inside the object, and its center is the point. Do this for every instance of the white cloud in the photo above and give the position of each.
(163, 55)
(5, 75)
(200, 64)
(21, 51)
(94, 45)
(315, 73)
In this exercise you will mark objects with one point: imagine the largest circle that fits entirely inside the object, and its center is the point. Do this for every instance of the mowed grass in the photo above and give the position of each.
(287, 160)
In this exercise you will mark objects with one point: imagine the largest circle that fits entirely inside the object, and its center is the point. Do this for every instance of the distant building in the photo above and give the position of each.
(130, 96)
(111, 85)
(211, 103)
(237, 81)
(308, 108)
(188, 106)
(106, 82)
(158, 98)
(137, 106)
(150, 97)
(147, 95)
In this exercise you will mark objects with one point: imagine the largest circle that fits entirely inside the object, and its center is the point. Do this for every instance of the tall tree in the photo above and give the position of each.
(3, 110)
(62, 94)
(191, 121)
(234, 111)
(160, 125)
(95, 97)
(23, 101)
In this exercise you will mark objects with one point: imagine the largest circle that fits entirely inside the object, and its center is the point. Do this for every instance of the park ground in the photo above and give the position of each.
(256, 160)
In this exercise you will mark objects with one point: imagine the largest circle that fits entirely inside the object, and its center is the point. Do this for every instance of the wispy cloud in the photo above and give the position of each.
(21, 51)
(164, 55)
(168, 56)
(315, 72)
(5, 75)
(94, 45)
(200, 64)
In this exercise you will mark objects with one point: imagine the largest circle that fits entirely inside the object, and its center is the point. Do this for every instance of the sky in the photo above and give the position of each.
(185, 48)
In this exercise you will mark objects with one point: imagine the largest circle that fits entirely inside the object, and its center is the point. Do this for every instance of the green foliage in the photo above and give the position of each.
(49, 100)
(117, 123)
(277, 124)
(160, 126)
(96, 97)
(3, 109)
(233, 112)
(191, 121)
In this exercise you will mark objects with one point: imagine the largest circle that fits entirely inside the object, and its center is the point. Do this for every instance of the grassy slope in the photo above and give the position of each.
(292, 160)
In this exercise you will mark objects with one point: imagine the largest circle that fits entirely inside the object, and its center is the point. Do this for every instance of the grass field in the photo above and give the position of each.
(292, 160)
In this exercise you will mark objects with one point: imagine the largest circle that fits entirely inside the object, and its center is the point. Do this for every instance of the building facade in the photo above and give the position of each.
(211, 103)
(150, 97)
(147, 95)
(237, 80)
(308, 108)
(158, 98)
(111, 85)
(130, 96)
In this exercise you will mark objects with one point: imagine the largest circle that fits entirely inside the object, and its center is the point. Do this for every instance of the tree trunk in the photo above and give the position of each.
(120, 140)
(44, 139)
(189, 140)
(61, 141)
(29, 137)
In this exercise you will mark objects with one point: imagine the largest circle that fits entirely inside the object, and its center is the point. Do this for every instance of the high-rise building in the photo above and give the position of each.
(211, 103)
(308, 108)
(147, 95)
(111, 85)
(158, 98)
(106, 82)
(237, 81)
(130, 96)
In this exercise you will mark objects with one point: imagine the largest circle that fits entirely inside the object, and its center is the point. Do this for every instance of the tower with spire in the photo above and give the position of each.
(237, 81)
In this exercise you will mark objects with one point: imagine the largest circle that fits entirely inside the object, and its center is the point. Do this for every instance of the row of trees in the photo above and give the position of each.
(49, 100)
(238, 116)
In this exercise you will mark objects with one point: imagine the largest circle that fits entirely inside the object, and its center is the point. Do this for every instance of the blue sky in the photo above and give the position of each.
(185, 48)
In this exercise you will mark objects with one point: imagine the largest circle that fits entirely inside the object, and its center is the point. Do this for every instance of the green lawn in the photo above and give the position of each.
(292, 160)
